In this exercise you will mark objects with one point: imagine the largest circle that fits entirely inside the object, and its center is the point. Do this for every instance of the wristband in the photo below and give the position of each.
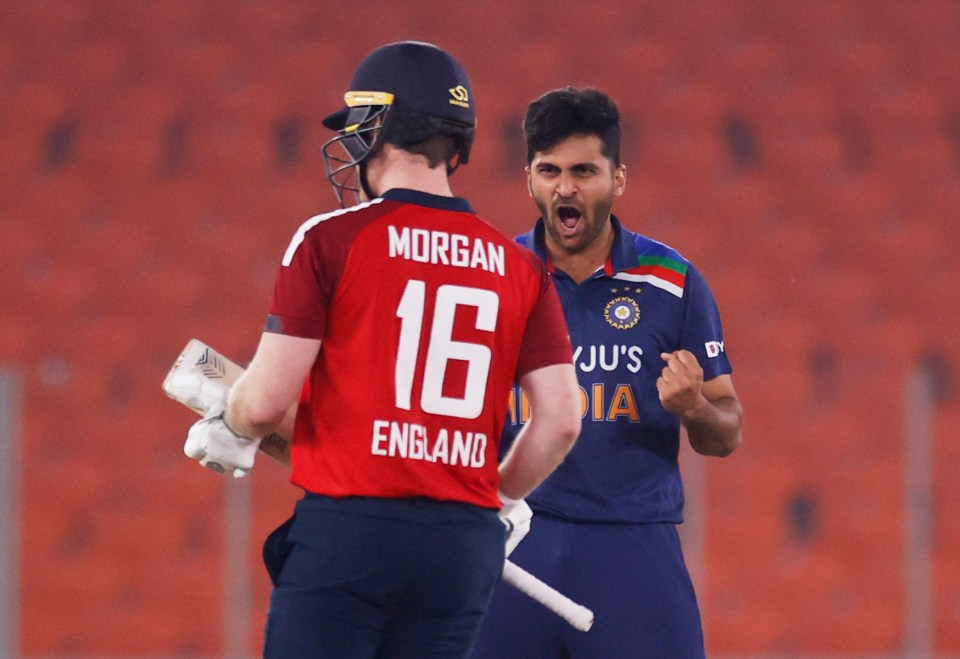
(506, 501)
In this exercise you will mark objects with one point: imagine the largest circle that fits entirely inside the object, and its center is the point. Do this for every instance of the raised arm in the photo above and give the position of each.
(710, 411)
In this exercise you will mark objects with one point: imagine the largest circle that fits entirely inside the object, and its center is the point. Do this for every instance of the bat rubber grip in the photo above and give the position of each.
(579, 616)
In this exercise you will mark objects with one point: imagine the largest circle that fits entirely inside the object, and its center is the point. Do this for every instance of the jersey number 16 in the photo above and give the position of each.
(441, 348)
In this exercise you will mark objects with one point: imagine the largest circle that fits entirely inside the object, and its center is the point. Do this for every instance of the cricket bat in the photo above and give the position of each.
(201, 376)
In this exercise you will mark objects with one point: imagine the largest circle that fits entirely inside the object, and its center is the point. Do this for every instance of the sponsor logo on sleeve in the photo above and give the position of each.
(714, 348)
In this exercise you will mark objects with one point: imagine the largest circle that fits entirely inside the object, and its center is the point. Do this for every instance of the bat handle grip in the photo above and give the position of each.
(579, 616)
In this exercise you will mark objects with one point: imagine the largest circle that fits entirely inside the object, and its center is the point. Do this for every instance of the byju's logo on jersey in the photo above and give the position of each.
(714, 348)
(622, 312)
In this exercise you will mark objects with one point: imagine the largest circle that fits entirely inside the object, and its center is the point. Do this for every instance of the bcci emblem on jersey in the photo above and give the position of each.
(622, 312)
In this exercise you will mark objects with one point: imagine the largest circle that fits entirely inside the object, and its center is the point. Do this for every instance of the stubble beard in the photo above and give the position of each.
(593, 224)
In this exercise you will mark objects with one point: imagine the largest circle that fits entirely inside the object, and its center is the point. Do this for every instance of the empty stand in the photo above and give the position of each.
(157, 157)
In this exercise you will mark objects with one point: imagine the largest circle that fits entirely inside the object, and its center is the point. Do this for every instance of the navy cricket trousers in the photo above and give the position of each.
(632, 576)
(368, 578)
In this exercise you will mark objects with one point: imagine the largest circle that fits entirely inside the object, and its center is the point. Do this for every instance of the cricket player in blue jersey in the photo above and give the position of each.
(650, 357)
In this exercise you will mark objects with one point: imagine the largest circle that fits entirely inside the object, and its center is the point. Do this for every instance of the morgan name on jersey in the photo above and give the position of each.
(442, 248)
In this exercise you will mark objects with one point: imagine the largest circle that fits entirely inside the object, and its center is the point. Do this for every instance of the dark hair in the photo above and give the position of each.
(560, 113)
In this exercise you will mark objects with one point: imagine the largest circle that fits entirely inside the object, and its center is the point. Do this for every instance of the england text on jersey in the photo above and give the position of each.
(412, 441)
(440, 247)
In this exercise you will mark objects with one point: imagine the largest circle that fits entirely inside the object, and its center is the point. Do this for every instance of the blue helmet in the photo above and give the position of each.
(401, 93)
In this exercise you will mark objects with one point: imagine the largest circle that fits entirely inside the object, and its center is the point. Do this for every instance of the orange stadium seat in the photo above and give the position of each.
(38, 104)
(751, 68)
(832, 255)
(774, 349)
(21, 157)
(749, 526)
(857, 210)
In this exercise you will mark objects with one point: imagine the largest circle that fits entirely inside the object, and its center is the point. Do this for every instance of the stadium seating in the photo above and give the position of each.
(805, 156)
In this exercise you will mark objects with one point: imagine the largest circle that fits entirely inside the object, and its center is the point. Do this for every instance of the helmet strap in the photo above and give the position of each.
(454, 163)
(364, 183)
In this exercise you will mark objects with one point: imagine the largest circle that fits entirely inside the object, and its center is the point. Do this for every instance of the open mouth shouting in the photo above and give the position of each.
(569, 219)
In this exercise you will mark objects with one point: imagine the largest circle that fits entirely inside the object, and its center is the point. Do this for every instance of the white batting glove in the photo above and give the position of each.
(197, 392)
(218, 447)
(516, 516)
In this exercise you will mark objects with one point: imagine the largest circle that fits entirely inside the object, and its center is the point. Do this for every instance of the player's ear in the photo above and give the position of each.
(529, 183)
(619, 180)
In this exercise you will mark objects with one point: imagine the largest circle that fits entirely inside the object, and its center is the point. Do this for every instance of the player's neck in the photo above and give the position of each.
(395, 168)
(581, 264)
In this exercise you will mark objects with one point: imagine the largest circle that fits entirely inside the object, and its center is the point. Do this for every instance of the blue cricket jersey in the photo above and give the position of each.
(647, 299)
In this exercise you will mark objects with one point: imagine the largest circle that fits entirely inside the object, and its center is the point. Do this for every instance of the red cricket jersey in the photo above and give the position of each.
(427, 315)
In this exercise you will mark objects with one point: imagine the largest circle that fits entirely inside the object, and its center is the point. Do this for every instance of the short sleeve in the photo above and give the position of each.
(702, 332)
(546, 340)
(302, 291)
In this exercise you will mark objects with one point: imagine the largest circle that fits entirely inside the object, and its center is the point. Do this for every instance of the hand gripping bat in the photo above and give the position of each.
(201, 378)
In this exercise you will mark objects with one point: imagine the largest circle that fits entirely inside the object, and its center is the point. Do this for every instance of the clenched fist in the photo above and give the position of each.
(680, 382)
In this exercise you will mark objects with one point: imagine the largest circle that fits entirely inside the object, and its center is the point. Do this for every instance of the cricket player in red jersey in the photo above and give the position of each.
(395, 330)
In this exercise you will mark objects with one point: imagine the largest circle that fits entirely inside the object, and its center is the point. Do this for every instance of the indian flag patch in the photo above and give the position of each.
(665, 273)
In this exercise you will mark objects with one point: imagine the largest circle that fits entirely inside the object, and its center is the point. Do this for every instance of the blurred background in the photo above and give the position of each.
(156, 157)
